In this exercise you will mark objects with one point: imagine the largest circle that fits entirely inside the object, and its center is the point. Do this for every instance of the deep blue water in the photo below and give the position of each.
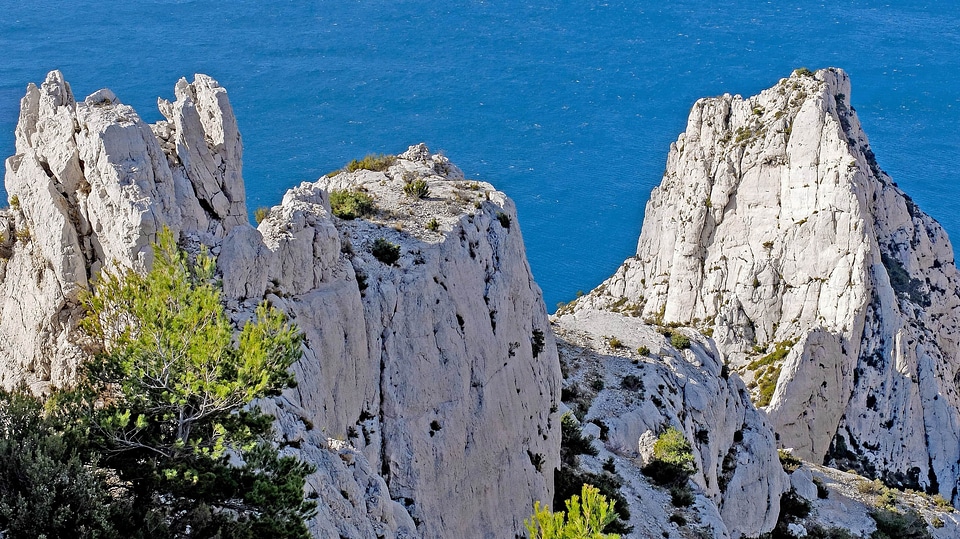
(569, 107)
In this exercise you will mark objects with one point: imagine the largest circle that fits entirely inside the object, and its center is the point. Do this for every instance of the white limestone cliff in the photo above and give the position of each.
(739, 479)
(91, 185)
(837, 298)
(427, 389)
(431, 366)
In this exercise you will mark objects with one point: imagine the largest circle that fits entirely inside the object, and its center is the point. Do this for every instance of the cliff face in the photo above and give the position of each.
(823, 284)
(90, 185)
(427, 387)
(738, 480)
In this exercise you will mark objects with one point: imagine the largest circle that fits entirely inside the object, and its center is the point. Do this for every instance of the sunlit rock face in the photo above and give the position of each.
(427, 390)
(822, 283)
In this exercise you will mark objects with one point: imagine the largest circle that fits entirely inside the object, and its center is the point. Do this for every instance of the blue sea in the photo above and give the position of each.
(569, 107)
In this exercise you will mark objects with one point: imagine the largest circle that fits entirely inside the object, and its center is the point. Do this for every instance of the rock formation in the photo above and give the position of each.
(427, 389)
(738, 480)
(775, 250)
(89, 186)
(776, 232)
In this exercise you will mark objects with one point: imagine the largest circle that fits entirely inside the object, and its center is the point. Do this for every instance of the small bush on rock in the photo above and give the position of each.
(568, 482)
(416, 189)
(260, 214)
(374, 162)
(385, 252)
(631, 382)
(681, 496)
(672, 461)
(350, 204)
(573, 442)
(892, 524)
(822, 491)
(679, 341)
(789, 462)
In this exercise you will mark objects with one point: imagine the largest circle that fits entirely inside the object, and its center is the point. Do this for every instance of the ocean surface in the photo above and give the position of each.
(568, 107)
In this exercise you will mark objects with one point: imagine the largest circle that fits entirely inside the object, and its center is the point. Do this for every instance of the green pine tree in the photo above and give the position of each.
(586, 517)
(161, 437)
(167, 401)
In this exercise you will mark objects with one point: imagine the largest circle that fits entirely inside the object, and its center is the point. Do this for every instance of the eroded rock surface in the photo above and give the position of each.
(90, 185)
(775, 230)
(427, 389)
(439, 367)
(739, 480)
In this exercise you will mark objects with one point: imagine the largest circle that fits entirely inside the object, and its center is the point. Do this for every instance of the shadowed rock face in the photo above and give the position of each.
(775, 229)
(738, 480)
(427, 389)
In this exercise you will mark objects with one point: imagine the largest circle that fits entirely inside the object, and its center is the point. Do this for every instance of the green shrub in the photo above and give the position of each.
(768, 385)
(569, 482)
(614, 343)
(350, 204)
(361, 282)
(22, 234)
(588, 515)
(48, 487)
(15, 202)
(942, 503)
(869, 487)
(385, 251)
(416, 189)
(143, 442)
(536, 342)
(822, 491)
(681, 496)
(643, 351)
(433, 225)
(768, 371)
(678, 519)
(903, 283)
(672, 461)
(505, 222)
(793, 506)
(804, 72)
(631, 382)
(573, 442)
(374, 162)
(789, 462)
(889, 498)
(260, 214)
(671, 446)
(679, 341)
(780, 351)
(892, 524)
